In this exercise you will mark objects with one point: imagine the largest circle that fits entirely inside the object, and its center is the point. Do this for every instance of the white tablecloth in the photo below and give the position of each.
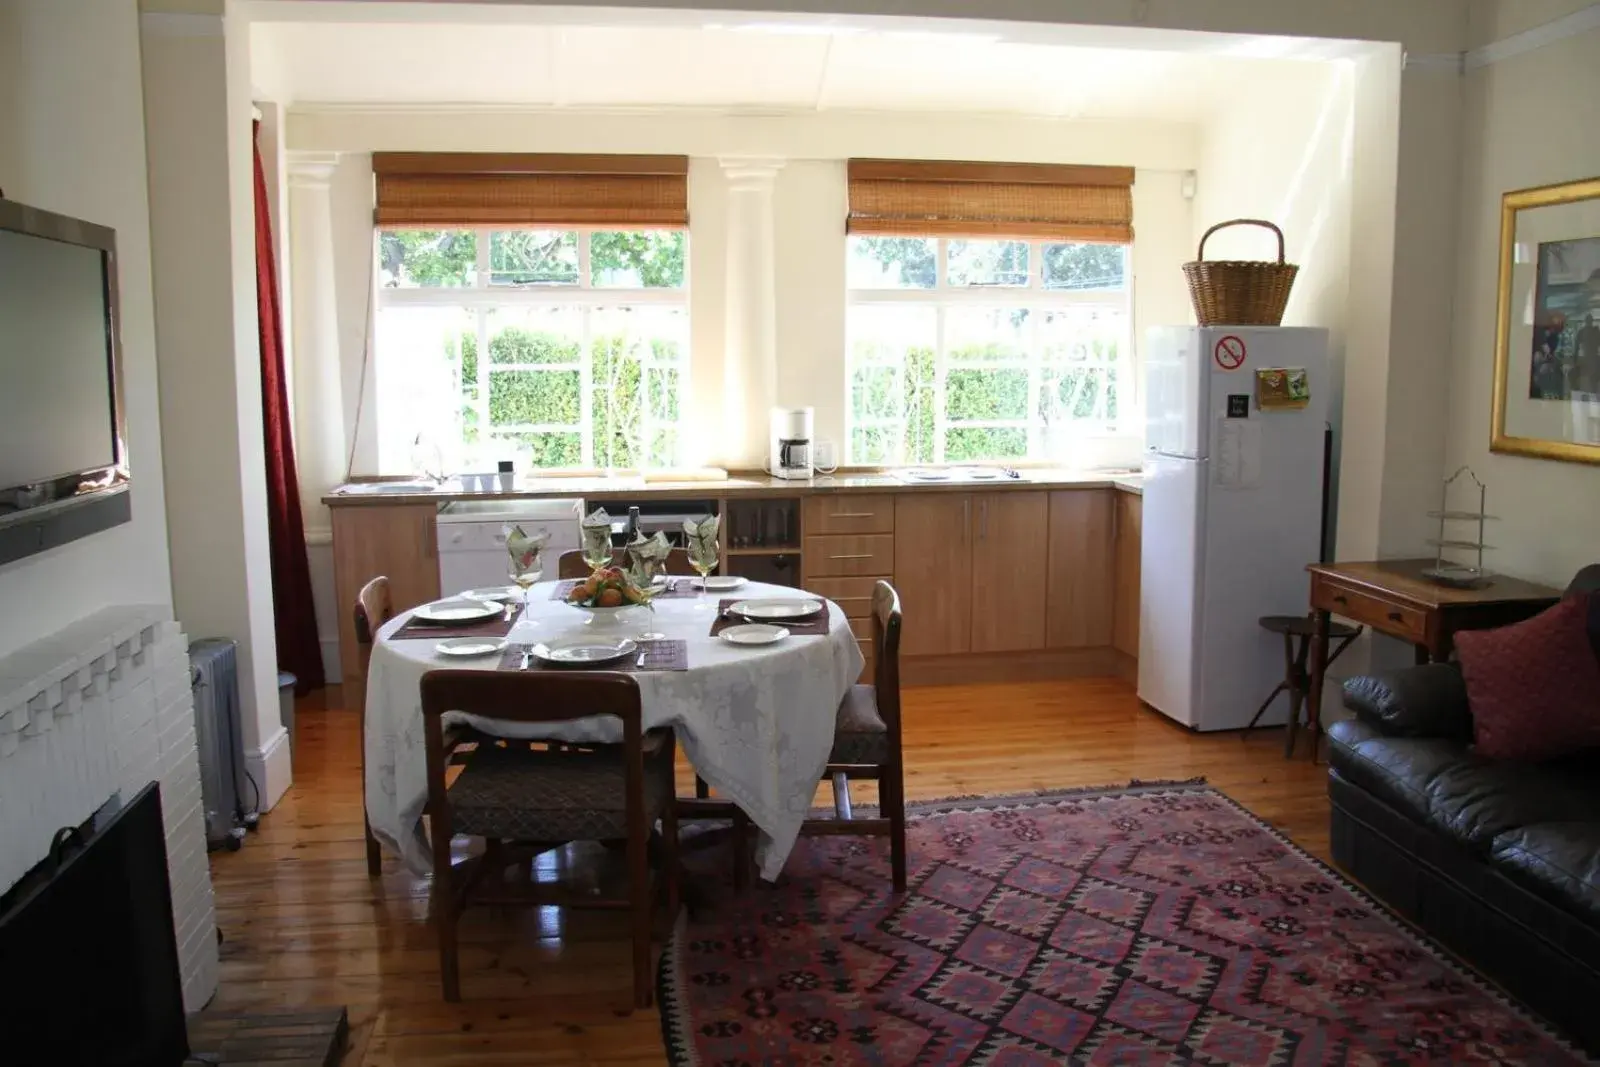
(756, 723)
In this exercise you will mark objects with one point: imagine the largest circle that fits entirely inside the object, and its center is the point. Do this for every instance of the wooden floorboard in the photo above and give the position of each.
(304, 927)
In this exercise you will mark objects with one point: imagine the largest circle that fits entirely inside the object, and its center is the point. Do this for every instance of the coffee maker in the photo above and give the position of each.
(790, 453)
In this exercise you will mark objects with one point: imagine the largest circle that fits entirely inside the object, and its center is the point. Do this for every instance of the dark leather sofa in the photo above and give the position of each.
(1499, 861)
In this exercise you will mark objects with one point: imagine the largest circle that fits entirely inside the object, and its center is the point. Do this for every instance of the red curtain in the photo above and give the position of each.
(295, 620)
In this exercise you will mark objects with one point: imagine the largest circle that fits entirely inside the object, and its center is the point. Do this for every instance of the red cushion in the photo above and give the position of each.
(1534, 687)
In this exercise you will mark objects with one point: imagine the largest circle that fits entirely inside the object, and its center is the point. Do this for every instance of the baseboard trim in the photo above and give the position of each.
(1042, 665)
(271, 767)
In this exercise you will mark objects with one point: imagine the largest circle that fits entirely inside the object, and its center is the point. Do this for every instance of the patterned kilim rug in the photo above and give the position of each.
(1148, 925)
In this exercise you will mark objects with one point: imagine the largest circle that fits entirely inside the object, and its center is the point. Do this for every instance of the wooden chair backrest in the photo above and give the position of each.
(374, 607)
(886, 654)
(571, 564)
(530, 697)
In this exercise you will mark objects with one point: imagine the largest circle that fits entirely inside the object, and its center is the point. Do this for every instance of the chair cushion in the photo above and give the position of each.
(1534, 687)
(521, 794)
(1558, 860)
(860, 735)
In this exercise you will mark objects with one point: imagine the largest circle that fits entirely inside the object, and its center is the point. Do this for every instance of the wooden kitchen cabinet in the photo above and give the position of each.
(933, 572)
(398, 541)
(1125, 595)
(1010, 541)
(1081, 575)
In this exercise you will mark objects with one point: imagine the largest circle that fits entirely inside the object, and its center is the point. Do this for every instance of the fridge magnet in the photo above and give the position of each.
(1547, 341)
(1229, 352)
(1278, 388)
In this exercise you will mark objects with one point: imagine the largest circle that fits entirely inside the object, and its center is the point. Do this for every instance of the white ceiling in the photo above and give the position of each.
(396, 55)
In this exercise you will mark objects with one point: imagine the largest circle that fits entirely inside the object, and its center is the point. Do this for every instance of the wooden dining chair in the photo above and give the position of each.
(867, 744)
(518, 794)
(374, 607)
(571, 564)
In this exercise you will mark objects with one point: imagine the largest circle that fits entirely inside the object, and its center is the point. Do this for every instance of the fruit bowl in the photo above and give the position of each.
(605, 595)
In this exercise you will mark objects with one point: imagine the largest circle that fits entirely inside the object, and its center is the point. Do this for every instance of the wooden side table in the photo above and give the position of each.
(1392, 597)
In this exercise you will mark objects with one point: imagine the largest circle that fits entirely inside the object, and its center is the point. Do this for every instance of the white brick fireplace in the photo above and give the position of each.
(98, 710)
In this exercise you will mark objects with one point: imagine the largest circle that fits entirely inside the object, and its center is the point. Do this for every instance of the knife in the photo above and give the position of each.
(527, 657)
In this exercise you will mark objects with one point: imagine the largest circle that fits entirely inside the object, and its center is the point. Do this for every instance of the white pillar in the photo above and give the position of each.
(750, 355)
(196, 75)
(319, 437)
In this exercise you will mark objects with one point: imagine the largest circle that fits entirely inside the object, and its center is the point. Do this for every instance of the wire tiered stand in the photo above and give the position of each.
(1446, 571)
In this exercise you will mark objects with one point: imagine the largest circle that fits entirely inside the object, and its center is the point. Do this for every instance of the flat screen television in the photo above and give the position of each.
(63, 448)
(89, 973)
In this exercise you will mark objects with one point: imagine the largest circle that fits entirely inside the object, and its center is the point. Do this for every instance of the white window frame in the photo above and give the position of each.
(481, 297)
(1035, 297)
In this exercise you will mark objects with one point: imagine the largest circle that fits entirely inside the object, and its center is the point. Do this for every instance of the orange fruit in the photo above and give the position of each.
(611, 598)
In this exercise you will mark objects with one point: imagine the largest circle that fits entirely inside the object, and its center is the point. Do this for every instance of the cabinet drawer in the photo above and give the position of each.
(841, 555)
(853, 595)
(849, 514)
(1395, 619)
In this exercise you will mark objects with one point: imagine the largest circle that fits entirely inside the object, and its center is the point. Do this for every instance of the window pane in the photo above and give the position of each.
(873, 444)
(535, 335)
(637, 259)
(533, 258)
(984, 335)
(558, 449)
(892, 377)
(970, 395)
(966, 443)
(892, 263)
(627, 348)
(1082, 334)
(1070, 394)
(537, 397)
(997, 263)
(664, 448)
(1085, 266)
(425, 376)
(427, 259)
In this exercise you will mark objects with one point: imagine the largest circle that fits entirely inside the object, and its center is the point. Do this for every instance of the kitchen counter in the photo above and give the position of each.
(738, 485)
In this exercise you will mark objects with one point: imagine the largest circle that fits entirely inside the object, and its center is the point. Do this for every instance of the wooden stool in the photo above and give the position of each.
(1296, 679)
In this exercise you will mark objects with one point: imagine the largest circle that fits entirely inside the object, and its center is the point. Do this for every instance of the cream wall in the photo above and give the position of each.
(1528, 120)
(72, 140)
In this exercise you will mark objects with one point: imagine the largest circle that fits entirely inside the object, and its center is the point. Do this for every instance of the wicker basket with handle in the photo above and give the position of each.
(1239, 292)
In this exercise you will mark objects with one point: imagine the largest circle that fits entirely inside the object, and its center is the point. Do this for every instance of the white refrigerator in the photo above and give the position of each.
(1232, 515)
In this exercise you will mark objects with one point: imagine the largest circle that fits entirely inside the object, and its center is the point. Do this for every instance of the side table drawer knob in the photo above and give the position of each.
(1341, 600)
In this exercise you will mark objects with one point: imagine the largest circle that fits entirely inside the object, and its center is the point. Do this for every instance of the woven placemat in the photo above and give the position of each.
(666, 655)
(815, 626)
(498, 626)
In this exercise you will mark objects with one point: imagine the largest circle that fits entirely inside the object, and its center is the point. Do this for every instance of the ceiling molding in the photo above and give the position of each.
(1579, 22)
(1440, 62)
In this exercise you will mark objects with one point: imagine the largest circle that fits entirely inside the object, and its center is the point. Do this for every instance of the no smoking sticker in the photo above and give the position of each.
(1229, 353)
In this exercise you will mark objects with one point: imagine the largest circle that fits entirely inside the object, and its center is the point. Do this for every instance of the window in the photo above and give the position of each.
(963, 350)
(551, 347)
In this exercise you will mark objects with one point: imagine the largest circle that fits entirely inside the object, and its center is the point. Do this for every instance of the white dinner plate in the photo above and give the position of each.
(585, 651)
(721, 583)
(449, 612)
(777, 608)
(495, 593)
(754, 633)
(470, 647)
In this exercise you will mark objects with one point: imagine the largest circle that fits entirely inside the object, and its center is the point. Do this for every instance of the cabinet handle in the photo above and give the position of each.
(857, 555)
(983, 520)
(851, 515)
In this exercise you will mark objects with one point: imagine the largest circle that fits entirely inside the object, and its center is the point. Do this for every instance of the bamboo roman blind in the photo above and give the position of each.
(1017, 200)
(433, 190)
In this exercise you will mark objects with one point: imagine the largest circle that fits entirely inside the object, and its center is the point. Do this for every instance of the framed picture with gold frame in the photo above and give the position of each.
(1547, 343)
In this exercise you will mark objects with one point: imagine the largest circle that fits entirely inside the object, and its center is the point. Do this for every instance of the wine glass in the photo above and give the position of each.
(703, 558)
(526, 570)
(596, 549)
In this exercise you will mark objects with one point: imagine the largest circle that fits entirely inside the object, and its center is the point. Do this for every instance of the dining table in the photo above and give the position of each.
(755, 722)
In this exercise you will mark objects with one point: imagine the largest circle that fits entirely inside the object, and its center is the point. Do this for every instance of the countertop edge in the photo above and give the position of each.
(737, 489)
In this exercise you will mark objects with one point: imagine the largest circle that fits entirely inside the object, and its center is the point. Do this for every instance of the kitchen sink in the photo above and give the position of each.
(947, 475)
(382, 488)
